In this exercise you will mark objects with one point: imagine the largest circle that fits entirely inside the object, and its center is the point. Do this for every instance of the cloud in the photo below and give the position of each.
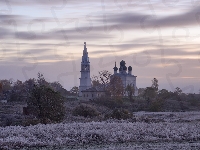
(10, 20)
(189, 18)
(131, 20)
(37, 51)
(96, 31)
(31, 2)
(52, 2)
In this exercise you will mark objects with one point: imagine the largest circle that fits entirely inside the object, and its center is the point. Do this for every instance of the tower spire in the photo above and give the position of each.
(85, 57)
(85, 46)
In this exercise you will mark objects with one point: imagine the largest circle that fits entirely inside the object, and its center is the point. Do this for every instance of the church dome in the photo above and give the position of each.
(115, 68)
(124, 68)
(122, 63)
(129, 68)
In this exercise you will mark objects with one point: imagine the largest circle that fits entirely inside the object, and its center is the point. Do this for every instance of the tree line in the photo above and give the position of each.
(44, 100)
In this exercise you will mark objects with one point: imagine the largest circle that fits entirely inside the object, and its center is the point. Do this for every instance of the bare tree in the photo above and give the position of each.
(115, 87)
(178, 91)
(95, 81)
(74, 90)
(155, 84)
(102, 79)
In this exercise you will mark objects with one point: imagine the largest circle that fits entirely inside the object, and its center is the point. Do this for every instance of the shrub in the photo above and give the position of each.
(46, 104)
(108, 102)
(30, 121)
(194, 102)
(10, 120)
(119, 114)
(156, 105)
(85, 111)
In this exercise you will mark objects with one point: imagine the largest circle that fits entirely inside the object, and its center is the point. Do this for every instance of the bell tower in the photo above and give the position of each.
(85, 80)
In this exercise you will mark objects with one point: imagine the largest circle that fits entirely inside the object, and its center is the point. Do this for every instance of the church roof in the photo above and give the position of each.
(122, 63)
(95, 89)
(123, 75)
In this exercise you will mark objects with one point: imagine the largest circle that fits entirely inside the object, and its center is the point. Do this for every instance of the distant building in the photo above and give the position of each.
(87, 92)
(93, 93)
(126, 77)
(85, 80)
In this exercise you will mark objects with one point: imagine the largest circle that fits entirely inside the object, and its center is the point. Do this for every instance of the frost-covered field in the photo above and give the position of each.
(170, 130)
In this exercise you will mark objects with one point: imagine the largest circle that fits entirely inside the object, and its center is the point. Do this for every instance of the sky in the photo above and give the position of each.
(158, 38)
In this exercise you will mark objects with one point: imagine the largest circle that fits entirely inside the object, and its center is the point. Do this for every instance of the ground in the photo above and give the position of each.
(146, 130)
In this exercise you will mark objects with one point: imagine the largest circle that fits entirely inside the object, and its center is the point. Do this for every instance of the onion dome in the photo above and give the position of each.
(115, 68)
(122, 63)
(125, 68)
(129, 68)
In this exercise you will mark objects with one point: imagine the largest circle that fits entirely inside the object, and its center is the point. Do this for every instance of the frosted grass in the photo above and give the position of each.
(105, 133)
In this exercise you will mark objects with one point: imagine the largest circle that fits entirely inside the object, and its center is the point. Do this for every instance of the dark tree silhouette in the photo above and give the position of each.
(45, 103)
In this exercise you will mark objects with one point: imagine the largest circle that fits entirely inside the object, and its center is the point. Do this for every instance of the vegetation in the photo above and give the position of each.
(156, 131)
(45, 103)
(130, 90)
(155, 84)
(18, 91)
(156, 105)
(74, 90)
(108, 102)
(85, 111)
(164, 94)
(102, 79)
(149, 93)
(119, 114)
(115, 87)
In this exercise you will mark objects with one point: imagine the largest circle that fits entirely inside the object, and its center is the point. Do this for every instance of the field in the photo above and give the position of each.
(145, 131)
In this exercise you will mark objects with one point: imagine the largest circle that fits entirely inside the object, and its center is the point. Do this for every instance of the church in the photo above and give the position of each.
(87, 92)
(126, 77)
